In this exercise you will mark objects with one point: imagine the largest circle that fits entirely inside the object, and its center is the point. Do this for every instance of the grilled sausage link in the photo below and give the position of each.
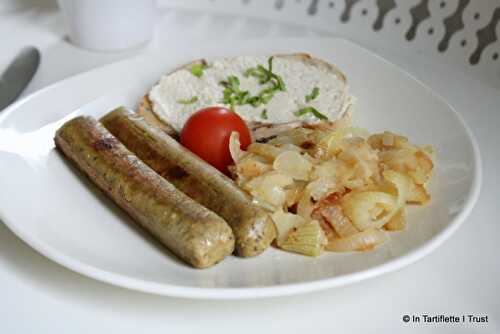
(252, 227)
(194, 233)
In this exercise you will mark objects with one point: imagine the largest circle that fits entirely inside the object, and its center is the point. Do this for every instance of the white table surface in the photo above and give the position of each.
(461, 277)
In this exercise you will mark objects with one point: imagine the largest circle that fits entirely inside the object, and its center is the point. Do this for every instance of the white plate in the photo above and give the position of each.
(54, 209)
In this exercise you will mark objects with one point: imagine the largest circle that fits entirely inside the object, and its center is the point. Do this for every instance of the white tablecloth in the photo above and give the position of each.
(461, 277)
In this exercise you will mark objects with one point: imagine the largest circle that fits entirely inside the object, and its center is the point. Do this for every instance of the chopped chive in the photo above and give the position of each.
(252, 72)
(234, 82)
(281, 83)
(192, 100)
(263, 74)
(263, 114)
(310, 110)
(314, 94)
(243, 98)
(254, 101)
(197, 69)
(233, 95)
(265, 97)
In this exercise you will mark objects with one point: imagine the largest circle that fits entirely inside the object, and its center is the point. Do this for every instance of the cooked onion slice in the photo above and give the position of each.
(387, 140)
(294, 193)
(340, 223)
(402, 184)
(269, 187)
(332, 142)
(305, 206)
(267, 151)
(293, 164)
(361, 241)
(324, 176)
(308, 239)
(397, 222)
(252, 165)
(284, 222)
(235, 147)
(359, 206)
(417, 194)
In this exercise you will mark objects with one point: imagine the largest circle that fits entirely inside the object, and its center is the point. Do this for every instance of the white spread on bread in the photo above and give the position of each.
(300, 76)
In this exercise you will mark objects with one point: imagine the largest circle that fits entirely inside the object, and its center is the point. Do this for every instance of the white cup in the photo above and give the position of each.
(109, 25)
(10, 6)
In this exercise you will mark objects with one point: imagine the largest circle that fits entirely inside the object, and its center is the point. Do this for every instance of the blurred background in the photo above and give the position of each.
(460, 34)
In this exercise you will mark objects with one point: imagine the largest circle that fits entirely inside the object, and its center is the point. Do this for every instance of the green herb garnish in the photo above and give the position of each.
(197, 69)
(310, 110)
(234, 96)
(266, 94)
(265, 75)
(314, 94)
(263, 114)
(192, 100)
(254, 101)
(257, 72)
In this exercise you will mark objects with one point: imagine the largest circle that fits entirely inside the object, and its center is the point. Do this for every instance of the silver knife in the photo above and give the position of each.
(17, 75)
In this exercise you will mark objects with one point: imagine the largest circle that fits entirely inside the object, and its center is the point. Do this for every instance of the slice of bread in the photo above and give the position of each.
(145, 109)
(164, 106)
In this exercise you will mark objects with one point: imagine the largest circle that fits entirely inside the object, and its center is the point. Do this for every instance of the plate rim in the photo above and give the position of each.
(258, 292)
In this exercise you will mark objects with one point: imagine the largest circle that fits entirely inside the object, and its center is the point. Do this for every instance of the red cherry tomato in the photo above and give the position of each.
(207, 132)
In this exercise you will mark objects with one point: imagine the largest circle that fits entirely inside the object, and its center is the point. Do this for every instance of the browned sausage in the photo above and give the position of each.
(195, 234)
(252, 226)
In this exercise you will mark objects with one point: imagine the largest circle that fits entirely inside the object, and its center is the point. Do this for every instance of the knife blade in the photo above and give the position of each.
(17, 75)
